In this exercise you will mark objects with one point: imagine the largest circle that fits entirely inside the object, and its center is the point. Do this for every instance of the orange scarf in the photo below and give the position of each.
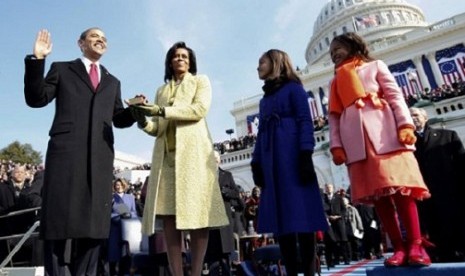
(346, 87)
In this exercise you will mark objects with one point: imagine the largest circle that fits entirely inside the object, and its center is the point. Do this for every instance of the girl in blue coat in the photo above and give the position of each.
(290, 205)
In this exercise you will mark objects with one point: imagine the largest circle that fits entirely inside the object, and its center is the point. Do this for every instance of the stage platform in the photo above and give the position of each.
(440, 269)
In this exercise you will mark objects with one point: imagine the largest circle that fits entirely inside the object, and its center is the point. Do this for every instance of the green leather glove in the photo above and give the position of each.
(150, 110)
(138, 116)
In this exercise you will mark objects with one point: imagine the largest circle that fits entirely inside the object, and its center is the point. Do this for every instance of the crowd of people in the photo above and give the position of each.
(21, 188)
(437, 94)
(355, 231)
(235, 144)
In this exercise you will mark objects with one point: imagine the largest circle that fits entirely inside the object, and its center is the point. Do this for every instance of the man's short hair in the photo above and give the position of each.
(422, 111)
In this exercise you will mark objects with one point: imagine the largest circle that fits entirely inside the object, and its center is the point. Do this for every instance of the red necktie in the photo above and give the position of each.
(93, 75)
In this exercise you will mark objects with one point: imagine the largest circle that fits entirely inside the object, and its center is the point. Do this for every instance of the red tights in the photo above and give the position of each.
(406, 208)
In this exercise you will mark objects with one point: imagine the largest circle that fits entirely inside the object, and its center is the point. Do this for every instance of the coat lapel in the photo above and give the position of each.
(78, 67)
(183, 94)
(186, 90)
(164, 95)
(104, 78)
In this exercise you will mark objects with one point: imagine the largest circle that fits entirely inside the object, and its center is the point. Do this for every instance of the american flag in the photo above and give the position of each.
(313, 109)
(252, 123)
(451, 62)
(406, 77)
(453, 69)
(404, 83)
(367, 21)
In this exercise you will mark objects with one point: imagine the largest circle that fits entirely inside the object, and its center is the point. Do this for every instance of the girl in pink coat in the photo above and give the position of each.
(371, 131)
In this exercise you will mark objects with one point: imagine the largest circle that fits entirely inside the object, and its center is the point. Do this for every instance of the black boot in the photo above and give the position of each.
(288, 248)
(307, 246)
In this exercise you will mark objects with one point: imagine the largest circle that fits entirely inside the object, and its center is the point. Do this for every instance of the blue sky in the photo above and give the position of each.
(228, 37)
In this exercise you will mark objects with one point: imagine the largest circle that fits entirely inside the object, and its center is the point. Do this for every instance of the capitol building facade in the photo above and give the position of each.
(421, 56)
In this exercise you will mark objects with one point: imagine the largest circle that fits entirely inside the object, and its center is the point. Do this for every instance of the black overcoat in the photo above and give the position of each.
(79, 160)
(336, 207)
(441, 157)
(221, 239)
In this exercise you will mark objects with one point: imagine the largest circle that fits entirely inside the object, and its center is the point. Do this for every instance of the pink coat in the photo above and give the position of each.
(381, 123)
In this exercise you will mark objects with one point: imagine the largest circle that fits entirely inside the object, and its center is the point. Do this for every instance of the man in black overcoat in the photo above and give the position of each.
(79, 160)
(336, 240)
(221, 240)
(441, 156)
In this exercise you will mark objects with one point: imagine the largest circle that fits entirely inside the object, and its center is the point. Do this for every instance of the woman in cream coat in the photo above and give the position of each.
(183, 184)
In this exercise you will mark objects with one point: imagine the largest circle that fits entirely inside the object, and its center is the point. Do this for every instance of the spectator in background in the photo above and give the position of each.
(138, 184)
(371, 241)
(239, 222)
(441, 156)
(221, 240)
(251, 208)
(336, 237)
(123, 207)
(139, 202)
(3, 172)
(19, 193)
(354, 227)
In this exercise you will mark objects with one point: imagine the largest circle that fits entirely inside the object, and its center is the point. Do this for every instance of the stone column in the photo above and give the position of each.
(435, 67)
(421, 72)
(318, 102)
(326, 94)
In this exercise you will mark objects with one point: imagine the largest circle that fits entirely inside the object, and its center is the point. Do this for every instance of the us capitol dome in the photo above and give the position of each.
(375, 20)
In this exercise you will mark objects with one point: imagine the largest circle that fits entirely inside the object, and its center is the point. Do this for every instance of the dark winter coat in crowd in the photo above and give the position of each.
(13, 199)
(335, 207)
(441, 156)
(221, 240)
(371, 231)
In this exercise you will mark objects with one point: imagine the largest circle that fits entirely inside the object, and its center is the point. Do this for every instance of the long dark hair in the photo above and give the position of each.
(169, 72)
(281, 66)
(356, 45)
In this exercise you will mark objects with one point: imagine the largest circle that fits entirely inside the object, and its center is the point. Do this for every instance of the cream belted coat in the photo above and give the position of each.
(198, 198)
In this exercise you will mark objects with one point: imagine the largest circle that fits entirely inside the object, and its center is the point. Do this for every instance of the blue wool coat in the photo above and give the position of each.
(285, 128)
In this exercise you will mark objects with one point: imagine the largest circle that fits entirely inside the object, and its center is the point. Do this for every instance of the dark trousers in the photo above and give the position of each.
(291, 245)
(71, 257)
